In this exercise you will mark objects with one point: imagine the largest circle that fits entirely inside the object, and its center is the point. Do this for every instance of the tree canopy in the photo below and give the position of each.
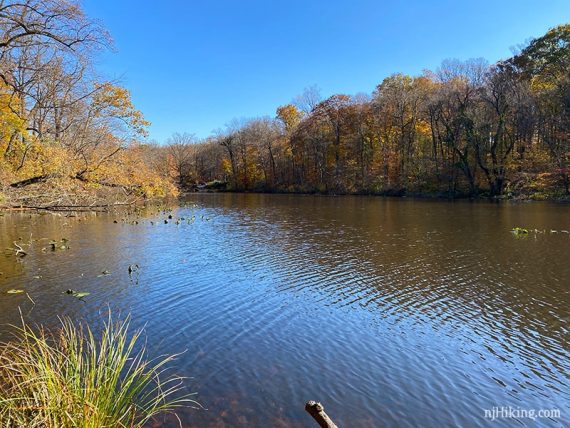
(467, 128)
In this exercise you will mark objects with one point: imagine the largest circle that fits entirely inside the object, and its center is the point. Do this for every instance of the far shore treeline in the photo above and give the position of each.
(469, 128)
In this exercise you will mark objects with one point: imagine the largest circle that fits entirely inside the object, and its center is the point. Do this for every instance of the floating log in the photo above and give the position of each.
(317, 411)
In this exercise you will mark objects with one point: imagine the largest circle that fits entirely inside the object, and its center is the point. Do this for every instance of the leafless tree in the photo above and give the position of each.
(308, 99)
(180, 149)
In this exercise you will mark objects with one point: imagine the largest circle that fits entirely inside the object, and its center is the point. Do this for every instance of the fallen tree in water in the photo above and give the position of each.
(51, 195)
(55, 192)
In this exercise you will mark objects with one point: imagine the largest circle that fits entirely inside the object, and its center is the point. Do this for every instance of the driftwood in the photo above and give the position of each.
(317, 411)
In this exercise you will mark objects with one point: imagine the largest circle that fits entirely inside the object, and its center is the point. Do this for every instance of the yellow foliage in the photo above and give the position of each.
(423, 127)
(12, 129)
(290, 116)
(114, 101)
(226, 166)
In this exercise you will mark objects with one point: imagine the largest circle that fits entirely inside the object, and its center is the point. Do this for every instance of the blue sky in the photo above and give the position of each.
(192, 65)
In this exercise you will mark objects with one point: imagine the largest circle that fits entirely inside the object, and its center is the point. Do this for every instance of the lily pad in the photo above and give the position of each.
(80, 295)
(59, 245)
(77, 294)
(519, 231)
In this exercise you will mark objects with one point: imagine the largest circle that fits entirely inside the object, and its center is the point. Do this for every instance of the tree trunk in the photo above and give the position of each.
(34, 180)
(317, 411)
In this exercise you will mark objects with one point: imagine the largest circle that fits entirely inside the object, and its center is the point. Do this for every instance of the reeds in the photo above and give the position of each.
(67, 378)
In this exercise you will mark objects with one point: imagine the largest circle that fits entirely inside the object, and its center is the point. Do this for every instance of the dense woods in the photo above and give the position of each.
(66, 135)
(468, 128)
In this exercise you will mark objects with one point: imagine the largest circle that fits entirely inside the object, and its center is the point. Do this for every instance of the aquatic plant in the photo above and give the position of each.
(67, 378)
(519, 231)
(78, 294)
(59, 245)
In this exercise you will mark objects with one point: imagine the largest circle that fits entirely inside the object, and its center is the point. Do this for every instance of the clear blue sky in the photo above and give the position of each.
(193, 65)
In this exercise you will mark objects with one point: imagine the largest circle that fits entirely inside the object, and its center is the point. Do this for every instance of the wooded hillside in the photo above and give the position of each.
(468, 128)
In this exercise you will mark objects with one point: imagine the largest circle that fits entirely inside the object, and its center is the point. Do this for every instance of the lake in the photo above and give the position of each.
(391, 312)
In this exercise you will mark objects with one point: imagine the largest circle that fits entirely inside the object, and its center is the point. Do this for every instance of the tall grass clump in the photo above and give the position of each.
(67, 378)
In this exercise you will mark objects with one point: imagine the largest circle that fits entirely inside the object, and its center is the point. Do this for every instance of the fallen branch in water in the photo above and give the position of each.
(317, 411)
(51, 208)
(19, 250)
(92, 207)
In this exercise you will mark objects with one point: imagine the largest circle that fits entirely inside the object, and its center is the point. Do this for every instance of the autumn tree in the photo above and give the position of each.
(544, 65)
(62, 121)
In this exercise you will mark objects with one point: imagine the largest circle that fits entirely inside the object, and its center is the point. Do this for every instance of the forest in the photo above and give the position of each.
(70, 137)
(467, 129)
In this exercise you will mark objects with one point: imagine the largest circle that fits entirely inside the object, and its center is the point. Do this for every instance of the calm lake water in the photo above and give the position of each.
(392, 312)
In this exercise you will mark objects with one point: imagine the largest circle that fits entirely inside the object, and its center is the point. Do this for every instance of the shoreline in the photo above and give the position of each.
(396, 195)
(109, 205)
